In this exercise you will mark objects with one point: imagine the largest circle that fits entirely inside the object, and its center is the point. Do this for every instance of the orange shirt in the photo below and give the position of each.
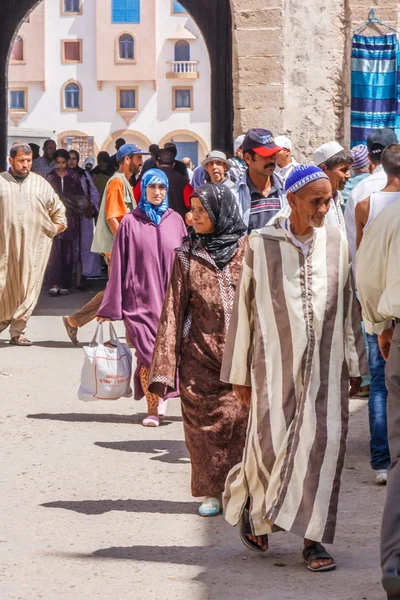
(115, 201)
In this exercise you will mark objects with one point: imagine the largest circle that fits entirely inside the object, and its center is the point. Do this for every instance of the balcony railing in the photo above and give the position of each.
(183, 69)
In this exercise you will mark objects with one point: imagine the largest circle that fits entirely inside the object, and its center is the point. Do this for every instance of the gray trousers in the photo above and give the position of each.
(390, 539)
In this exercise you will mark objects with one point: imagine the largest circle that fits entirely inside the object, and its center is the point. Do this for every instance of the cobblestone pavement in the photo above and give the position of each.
(96, 507)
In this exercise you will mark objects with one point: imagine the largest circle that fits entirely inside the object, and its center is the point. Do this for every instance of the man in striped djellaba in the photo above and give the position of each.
(31, 215)
(294, 351)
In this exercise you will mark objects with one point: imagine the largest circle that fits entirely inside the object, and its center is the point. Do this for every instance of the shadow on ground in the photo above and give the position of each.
(99, 418)
(169, 451)
(44, 344)
(100, 507)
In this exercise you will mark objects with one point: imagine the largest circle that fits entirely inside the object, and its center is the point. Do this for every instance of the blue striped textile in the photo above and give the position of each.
(375, 85)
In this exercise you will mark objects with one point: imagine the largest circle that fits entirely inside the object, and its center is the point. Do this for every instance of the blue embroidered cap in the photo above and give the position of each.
(301, 176)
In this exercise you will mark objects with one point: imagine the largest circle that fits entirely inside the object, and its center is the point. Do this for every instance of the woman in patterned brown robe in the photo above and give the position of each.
(191, 340)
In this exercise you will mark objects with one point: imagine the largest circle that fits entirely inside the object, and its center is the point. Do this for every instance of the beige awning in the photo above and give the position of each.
(182, 34)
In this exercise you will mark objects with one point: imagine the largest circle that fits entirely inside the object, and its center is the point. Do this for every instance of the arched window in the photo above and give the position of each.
(126, 47)
(72, 96)
(17, 50)
(182, 51)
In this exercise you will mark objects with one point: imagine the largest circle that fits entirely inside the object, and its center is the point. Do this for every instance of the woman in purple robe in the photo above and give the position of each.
(62, 260)
(143, 255)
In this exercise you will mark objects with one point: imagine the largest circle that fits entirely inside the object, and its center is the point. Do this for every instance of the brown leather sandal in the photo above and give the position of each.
(72, 332)
(245, 530)
(20, 341)
(315, 552)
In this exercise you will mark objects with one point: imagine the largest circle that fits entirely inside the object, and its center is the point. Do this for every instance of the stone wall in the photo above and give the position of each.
(258, 64)
(315, 72)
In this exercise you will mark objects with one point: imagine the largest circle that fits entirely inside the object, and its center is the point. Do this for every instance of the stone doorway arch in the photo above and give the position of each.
(215, 22)
(130, 136)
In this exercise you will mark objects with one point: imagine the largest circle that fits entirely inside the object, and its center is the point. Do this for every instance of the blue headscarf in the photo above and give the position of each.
(154, 213)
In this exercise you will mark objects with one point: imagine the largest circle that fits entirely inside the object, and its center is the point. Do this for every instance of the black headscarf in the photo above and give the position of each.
(103, 157)
(223, 211)
(77, 169)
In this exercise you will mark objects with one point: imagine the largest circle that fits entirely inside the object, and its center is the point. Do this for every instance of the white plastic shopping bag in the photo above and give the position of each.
(107, 369)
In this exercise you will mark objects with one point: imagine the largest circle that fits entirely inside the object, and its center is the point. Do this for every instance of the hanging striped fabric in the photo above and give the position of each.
(374, 85)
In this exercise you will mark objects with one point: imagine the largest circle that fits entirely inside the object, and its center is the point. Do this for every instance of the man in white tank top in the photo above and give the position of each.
(366, 211)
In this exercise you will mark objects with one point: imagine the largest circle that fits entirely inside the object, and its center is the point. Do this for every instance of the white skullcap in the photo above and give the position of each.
(325, 152)
(238, 142)
(283, 142)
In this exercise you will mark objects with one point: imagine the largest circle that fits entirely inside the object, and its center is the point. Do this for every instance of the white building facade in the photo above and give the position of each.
(93, 71)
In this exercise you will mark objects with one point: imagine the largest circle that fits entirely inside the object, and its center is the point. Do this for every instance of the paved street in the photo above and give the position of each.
(95, 507)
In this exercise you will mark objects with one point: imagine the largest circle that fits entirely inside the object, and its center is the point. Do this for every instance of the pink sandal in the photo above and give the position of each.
(151, 421)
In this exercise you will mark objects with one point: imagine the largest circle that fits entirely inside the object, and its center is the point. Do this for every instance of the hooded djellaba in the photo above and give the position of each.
(103, 172)
(142, 259)
(191, 340)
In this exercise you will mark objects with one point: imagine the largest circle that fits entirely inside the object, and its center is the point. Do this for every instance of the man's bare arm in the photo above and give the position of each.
(361, 215)
(113, 225)
(385, 342)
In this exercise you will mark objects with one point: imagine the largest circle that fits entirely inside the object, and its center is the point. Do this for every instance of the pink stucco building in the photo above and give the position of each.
(95, 70)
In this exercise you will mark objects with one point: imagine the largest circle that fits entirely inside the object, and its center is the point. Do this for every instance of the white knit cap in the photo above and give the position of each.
(283, 142)
(325, 152)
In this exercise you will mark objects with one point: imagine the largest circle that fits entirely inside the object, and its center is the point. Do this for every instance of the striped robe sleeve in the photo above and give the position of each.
(236, 362)
(355, 352)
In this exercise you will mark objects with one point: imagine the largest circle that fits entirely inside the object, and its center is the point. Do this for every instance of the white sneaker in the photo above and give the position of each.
(210, 507)
(381, 477)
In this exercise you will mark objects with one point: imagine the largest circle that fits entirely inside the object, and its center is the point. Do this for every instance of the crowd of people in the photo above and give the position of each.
(235, 282)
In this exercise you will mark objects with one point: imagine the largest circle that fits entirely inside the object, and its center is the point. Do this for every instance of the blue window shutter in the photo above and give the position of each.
(71, 6)
(178, 8)
(182, 50)
(126, 11)
(17, 100)
(127, 99)
(126, 47)
(72, 96)
(183, 98)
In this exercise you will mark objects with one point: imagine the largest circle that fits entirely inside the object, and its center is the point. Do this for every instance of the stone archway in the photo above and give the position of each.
(189, 134)
(80, 141)
(129, 135)
(215, 22)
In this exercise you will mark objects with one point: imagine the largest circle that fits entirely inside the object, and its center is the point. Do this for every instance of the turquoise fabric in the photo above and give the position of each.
(374, 85)
(154, 213)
